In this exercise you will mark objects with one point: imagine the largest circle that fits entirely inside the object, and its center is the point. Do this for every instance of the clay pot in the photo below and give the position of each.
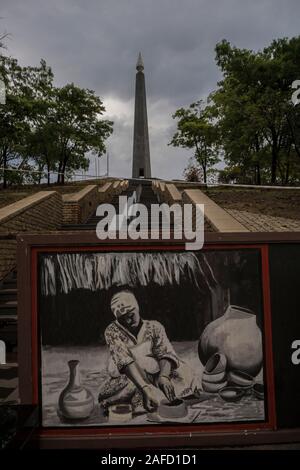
(240, 379)
(215, 369)
(120, 413)
(231, 394)
(237, 336)
(213, 387)
(75, 401)
(216, 364)
(259, 390)
(175, 409)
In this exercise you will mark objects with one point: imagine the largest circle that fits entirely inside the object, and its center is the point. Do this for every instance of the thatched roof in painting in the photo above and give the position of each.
(93, 271)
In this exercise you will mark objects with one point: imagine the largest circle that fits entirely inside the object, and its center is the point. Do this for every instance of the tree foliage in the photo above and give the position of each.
(250, 120)
(259, 125)
(44, 128)
(196, 130)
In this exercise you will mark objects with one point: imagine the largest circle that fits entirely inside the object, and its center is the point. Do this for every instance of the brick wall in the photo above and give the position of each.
(7, 256)
(39, 212)
(78, 207)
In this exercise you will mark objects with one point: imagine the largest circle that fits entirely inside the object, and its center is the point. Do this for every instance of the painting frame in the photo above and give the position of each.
(28, 248)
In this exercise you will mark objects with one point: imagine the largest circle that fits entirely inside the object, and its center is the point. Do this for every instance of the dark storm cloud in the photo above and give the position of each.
(95, 44)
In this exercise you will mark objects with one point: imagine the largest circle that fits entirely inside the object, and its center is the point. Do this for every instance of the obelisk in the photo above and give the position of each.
(141, 167)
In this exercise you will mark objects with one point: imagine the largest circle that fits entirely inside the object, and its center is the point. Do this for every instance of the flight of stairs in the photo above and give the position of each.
(145, 195)
(8, 310)
(8, 333)
(91, 223)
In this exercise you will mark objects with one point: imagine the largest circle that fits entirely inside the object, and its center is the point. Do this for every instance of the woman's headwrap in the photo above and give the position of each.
(122, 302)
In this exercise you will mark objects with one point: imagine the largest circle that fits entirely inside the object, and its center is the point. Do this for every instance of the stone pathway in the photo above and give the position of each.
(256, 222)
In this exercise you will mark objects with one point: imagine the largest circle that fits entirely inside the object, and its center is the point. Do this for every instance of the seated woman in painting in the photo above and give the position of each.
(143, 366)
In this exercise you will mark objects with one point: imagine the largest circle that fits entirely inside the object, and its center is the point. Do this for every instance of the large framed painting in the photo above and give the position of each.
(149, 337)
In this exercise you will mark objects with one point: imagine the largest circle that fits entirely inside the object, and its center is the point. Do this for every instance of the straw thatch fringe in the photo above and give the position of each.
(93, 271)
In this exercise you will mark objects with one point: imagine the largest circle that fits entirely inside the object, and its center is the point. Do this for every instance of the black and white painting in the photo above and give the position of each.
(147, 337)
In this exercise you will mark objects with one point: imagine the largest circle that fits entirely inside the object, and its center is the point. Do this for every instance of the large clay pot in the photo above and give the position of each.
(237, 336)
(75, 401)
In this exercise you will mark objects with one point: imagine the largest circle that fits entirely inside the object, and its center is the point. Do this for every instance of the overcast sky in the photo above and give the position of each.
(95, 44)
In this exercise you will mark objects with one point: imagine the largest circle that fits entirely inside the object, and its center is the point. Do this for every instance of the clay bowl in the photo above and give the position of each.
(231, 394)
(214, 378)
(239, 378)
(120, 413)
(213, 387)
(216, 364)
(175, 409)
(259, 390)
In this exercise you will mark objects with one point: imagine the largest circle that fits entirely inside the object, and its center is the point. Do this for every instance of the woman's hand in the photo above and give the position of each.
(149, 398)
(166, 387)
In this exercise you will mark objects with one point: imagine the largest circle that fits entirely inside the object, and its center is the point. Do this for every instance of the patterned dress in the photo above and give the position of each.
(146, 350)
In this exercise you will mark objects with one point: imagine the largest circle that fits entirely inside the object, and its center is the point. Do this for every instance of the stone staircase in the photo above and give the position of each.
(8, 310)
(144, 195)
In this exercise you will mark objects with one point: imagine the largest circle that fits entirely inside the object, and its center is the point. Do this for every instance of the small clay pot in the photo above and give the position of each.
(120, 413)
(213, 387)
(214, 378)
(215, 364)
(259, 390)
(175, 409)
(231, 394)
(240, 378)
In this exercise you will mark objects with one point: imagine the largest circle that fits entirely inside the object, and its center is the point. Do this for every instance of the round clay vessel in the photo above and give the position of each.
(215, 369)
(213, 387)
(237, 377)
(120, 413)
(259, 390)
(237, 336)
(216, 364)
(175, 409)
(231, 394)
(75, 401)
(214, 378)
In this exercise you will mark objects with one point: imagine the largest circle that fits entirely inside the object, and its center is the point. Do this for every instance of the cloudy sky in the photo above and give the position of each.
(95, 44)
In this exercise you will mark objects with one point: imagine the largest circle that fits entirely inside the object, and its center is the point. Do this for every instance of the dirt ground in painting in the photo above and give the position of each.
(210, 408)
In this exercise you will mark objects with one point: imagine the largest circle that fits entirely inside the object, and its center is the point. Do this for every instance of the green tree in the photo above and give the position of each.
(25, 89)
(44, 128)
(77, 127)
(254, 109)
(196, 130)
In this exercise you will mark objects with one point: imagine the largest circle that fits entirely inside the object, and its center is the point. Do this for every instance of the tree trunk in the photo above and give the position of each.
(64, 170)
(258, 176)
(293, 134)
(59, 172)
(48, 172)
(287, 173)
(4, 168)
(287, 169)
(204, 173)
(274, 163)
